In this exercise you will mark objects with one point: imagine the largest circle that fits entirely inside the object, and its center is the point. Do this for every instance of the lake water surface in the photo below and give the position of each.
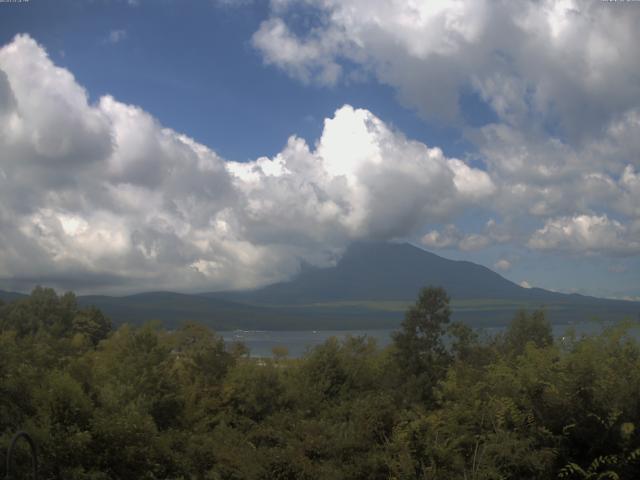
(298, 342)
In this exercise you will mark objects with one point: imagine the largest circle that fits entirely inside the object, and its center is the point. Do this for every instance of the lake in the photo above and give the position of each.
(261, 342)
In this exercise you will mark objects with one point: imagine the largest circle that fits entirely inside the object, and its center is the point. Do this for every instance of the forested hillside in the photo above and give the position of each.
(150, 403)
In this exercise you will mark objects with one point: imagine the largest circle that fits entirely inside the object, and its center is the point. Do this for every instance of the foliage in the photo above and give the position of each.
(419, 346)
(439, 403)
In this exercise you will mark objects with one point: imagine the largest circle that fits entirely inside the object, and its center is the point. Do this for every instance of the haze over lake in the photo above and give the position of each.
(300, 342)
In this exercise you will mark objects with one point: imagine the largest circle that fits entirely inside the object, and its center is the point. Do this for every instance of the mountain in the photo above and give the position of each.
(10, 296)
(370, 287)
(378, 276)
(171, 309)
(386, 271)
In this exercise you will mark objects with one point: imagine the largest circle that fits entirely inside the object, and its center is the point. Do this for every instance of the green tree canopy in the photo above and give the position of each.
(419, 346)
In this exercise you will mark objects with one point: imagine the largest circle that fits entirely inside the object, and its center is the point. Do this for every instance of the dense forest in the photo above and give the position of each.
(441, 402)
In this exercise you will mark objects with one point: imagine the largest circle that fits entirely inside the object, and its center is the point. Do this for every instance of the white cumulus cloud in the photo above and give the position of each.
(103, 197)
(502, 264)
(562, 142)
(534, 61)
(587, 233)
(451, 237)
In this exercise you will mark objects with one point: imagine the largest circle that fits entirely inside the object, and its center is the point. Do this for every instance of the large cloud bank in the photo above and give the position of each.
(570, 62)
(560, 77)
(102, 197)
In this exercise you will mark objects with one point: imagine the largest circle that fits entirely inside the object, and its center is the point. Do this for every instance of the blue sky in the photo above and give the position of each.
(536, 176)
(192, 66)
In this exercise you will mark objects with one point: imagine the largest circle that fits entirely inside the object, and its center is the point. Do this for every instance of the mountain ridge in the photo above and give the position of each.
(369, 287)
(409, 267)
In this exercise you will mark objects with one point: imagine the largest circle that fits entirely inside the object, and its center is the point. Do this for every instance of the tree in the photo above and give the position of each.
(419, 349)
(525, 328)
(92, 323)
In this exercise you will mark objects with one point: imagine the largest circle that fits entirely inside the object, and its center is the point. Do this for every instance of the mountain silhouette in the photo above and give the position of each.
(369, 287)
